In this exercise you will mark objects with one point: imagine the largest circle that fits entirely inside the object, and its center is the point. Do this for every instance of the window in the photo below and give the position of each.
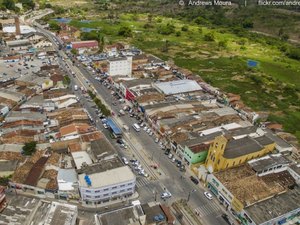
(122, 190)
(105, 195)
(114, 187)
(87, 191)
(97, 191)
(114, 193)
(123, 185)
(106, 189)
(129, 189)
(87, 196)
(129, 184)
(98, 196)
(218, 161)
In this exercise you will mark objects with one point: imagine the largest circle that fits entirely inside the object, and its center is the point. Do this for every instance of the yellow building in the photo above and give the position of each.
(226, 152)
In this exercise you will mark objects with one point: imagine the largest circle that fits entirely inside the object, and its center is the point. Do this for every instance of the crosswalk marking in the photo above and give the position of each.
(207, 209)
(142, 182)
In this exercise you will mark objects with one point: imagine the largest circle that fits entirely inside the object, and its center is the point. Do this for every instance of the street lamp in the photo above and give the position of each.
(192, 191)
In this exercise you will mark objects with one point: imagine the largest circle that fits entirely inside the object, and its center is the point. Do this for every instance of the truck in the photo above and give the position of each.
(75, 87)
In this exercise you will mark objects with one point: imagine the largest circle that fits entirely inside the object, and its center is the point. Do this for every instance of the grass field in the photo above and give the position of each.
(274, 86)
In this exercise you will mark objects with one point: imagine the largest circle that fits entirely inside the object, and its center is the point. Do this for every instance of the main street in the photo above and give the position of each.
(144, 148)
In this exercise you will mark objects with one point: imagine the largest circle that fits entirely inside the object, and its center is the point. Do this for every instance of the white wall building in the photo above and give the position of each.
(120, 66)
(104, 186)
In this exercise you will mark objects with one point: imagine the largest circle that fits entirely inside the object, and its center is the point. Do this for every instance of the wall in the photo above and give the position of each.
(192, 157)
(120, 67)
(108, 192)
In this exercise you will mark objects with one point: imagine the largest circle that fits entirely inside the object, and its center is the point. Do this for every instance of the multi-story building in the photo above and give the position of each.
(120, 66)
(106, 185)
(226, 152)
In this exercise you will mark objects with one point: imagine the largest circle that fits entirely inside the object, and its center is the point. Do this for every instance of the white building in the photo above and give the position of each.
(120, 66)
(67, 184)
(107, 185)
(177, 87)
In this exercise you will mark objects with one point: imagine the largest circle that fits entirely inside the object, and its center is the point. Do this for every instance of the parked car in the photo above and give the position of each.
(125, 160)
(170, 156)
(167, 152)
(173, 160)
(105, 125)
(226, 218)
(208, 195)
(194, 180)
(145, 128)
(156, 140)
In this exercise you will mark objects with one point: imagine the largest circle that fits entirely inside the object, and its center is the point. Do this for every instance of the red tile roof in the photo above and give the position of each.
(35, 172)
(84, 44)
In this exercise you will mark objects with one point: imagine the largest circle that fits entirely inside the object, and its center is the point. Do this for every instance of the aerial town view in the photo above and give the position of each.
(149, 112)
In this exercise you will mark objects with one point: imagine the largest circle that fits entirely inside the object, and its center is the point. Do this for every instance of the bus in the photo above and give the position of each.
(136, 127)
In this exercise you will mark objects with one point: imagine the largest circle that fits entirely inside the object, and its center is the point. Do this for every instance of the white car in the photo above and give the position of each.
(125, 160)
(105, 125)
(166, 195)
(145, 128)
(156, 140)
(148, 131)
(208, 195)
(151, 133)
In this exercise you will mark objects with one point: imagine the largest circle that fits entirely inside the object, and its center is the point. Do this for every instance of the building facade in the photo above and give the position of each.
(108, 185)
(120, 66)
(226, 153)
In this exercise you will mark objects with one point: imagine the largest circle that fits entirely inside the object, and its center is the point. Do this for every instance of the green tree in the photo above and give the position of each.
(28, 4)
(53, 25)
(29, 148)
(74, 51)
(184, 28)
(125, 31)
(166, 29)
(8, 4)
(247, 24)
(209, 36)
(222, 44)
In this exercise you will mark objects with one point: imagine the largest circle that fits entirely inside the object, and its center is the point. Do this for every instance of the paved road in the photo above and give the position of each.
(209, 211)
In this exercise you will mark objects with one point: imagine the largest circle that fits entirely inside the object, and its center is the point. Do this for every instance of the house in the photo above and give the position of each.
(3, 110)
(34, 37)
(195, 154)
(82, 46)
(106, 181)
(43, 44)
(130, 215)
(67, 184)
(12, 95)
(120, 66)
(256, 200)
(226, 152)
(75, 129)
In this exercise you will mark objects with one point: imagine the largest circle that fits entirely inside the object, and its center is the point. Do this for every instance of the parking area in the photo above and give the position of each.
(19, 68)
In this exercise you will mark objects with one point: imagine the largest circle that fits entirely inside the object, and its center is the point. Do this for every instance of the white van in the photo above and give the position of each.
(136, 127)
